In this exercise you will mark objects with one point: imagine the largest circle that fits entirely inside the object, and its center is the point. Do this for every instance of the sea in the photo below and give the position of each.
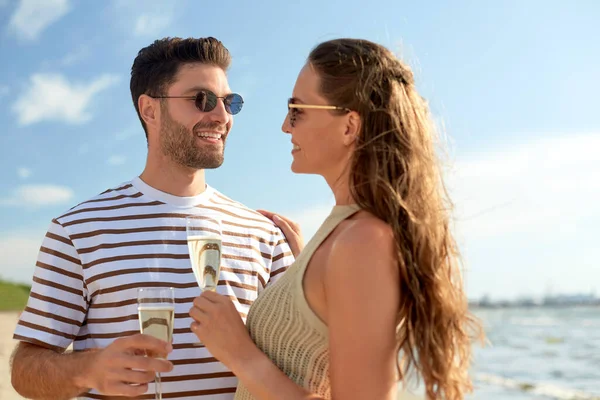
(537, 353)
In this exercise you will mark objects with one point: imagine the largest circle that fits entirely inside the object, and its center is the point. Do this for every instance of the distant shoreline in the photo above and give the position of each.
(497, 306)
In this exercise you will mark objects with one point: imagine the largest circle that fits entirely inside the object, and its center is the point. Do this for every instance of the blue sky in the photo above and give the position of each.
(514, 84)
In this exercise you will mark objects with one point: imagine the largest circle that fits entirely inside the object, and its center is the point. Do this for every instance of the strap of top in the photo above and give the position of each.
(337, 215)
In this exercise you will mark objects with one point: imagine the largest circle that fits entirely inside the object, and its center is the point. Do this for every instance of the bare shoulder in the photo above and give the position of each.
(365, 239)
(362, 233)
(362, 258)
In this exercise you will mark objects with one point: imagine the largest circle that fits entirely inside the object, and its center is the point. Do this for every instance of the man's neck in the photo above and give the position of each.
(172, 178)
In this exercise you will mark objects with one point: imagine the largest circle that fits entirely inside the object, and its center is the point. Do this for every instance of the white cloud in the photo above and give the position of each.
(19, 254)
(75, 56)
(31, 17)
(149, 18)
(530, 188)
(69, 59)
(38, 195)
(24, 173)
(116, 160)
(151, 24)
(51, 97)
(526, 213)
(134, 130)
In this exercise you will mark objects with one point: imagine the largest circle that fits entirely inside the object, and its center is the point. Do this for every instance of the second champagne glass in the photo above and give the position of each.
(156, 309)
(204, 244)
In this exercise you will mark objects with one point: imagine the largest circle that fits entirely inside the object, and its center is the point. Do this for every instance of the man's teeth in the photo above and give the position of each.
(296, 147)
(209, 135)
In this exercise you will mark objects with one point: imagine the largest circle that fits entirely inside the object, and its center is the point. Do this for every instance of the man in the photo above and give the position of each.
(96, 256)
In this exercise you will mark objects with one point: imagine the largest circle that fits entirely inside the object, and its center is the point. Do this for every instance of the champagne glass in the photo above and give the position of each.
(204, 245)
(156, 310)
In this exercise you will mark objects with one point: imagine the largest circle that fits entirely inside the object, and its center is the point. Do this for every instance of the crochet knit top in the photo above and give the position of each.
(285, 328)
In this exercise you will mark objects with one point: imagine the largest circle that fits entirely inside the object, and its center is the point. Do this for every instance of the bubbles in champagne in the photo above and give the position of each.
(157, 321)
(205, 254)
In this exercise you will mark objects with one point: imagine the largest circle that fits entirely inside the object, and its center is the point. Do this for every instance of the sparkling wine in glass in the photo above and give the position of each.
(156, 310)
(204, 245)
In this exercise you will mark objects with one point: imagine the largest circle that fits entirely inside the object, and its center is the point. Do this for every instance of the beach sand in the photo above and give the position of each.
(8, 321)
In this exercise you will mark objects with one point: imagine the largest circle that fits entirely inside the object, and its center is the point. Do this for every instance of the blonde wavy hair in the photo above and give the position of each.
(395, 174)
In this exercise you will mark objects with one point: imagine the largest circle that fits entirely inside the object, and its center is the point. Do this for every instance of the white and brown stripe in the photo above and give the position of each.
(95, 257)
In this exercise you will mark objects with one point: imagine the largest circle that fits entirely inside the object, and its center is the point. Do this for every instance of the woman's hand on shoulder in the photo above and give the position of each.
(290, 229)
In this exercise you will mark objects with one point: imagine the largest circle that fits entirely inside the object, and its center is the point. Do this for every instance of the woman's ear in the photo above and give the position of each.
(353, 126)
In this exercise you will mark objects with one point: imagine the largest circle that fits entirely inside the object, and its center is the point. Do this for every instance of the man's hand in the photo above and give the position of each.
(122, 369)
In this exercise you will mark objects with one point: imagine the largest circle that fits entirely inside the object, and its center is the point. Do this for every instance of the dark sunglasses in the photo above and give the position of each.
(293, 109)
(206, 101)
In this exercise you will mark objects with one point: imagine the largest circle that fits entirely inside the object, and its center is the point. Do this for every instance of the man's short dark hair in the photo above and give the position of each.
(156, 65)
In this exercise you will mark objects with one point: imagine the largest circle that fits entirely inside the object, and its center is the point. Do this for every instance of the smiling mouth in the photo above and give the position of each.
(211, 136)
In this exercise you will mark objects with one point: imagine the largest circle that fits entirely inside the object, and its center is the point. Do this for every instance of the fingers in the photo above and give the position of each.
(123, 389)
(136, 377)
(206, 303)
(281, 221)
(213, 297)
(143, 342)
(197, 314)
(195, 327)
(289, 228)
(286, 222)
(149, 364)
(267, 214)
(208, 299)
(126, 366)
(283, 224)
(291, 231)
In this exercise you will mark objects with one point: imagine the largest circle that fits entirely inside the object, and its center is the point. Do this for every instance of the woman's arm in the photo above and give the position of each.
(219, 326)
(362, 290)
(362, 300)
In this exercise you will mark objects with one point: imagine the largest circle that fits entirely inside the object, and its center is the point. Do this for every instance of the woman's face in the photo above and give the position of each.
(319, 136)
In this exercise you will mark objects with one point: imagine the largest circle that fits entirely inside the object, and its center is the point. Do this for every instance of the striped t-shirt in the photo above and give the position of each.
(96, 256)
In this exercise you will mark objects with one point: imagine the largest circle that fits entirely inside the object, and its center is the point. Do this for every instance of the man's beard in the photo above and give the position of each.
(179, 144)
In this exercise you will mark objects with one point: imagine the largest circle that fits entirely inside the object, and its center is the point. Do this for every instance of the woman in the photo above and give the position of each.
(380, 277)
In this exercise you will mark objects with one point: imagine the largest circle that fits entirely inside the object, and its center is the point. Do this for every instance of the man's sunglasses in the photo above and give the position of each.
(206, 101)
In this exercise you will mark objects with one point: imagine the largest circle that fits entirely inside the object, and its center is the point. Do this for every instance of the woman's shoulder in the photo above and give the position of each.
(362, 254)
(363, 236)
(364, 227)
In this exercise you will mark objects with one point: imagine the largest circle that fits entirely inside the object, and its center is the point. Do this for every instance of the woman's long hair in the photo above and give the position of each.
(395, 174)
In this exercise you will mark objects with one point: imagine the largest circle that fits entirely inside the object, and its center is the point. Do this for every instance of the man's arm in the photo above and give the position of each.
(44, 374)
(281, 259)
(40, 373)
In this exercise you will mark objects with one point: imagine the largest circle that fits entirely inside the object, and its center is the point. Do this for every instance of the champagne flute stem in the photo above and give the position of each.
(158, 387)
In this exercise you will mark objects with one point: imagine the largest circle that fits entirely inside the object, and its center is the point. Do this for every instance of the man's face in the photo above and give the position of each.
(188, 136)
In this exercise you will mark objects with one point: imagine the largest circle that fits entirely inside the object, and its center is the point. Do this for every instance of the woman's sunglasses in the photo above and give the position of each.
(206, 101)
(293, 109)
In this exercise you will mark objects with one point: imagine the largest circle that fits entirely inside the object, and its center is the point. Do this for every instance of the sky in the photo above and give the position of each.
(513, 84)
